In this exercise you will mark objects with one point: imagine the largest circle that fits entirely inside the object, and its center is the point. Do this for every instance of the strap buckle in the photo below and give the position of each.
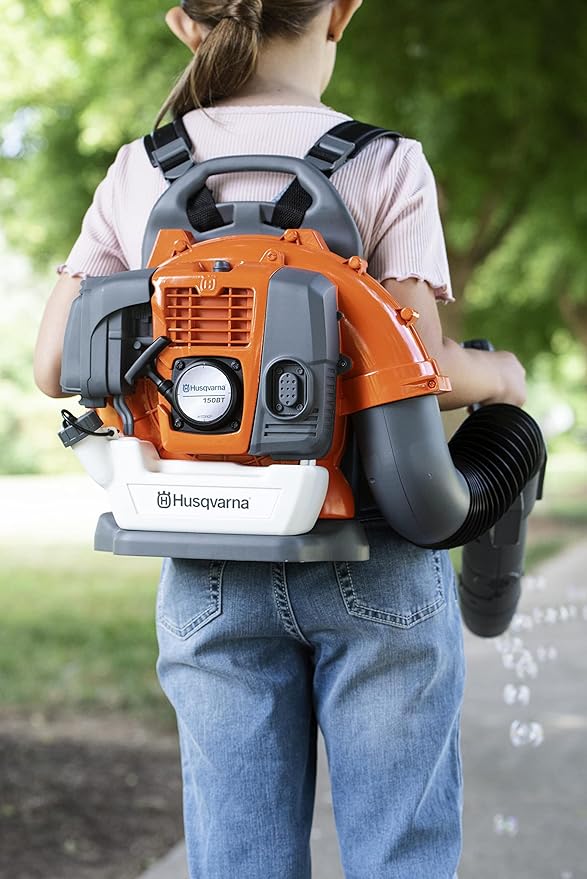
(170, 149)
(330, 153)
(173, 158)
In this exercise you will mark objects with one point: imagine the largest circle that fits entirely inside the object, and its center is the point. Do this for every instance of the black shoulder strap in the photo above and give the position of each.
(344, 142)
(329, 153)
(170, 149)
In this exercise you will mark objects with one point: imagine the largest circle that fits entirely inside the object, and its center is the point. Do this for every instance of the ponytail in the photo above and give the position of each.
(227, 58)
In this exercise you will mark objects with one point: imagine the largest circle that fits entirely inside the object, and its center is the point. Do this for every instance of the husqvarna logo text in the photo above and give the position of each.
(166, 500)
(202, 389)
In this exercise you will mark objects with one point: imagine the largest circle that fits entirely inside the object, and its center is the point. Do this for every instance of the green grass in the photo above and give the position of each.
(560, 518)
(78, 631)
(566, 509)
(537, 551)
(540, 551)
(565, 486)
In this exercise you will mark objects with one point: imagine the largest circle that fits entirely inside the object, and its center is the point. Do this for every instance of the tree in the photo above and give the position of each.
(494, 91)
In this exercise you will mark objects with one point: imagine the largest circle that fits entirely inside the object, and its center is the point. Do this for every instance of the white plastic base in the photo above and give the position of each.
(149, 493)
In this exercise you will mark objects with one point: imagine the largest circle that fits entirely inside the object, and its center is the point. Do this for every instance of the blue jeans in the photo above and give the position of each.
(254, 655)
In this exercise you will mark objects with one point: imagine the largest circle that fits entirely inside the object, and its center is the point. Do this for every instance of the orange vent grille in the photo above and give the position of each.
(194, 320)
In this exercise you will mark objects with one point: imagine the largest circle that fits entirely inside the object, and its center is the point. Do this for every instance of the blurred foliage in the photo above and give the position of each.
(29, 421)
(496, 93)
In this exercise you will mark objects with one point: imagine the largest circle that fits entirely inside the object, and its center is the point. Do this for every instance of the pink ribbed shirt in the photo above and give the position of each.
(392, 198)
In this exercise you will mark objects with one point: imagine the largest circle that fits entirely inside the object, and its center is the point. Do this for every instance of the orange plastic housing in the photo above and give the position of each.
(222, 314)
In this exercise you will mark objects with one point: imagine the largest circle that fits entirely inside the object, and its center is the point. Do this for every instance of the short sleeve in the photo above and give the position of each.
(98, 250)
(408, 240)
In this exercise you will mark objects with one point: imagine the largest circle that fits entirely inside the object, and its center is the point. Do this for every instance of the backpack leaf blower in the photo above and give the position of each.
(225, 379)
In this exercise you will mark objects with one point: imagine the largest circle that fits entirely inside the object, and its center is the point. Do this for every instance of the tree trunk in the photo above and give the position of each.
(461, 269)
(575, 316)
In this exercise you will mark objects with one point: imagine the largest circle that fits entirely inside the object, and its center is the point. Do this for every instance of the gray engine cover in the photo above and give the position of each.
(298, 368)
(104, 321)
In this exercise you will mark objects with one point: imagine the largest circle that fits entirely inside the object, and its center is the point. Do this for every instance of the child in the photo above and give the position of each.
(254, 655)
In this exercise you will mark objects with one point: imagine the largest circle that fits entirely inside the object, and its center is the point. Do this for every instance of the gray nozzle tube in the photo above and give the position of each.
(410, 471)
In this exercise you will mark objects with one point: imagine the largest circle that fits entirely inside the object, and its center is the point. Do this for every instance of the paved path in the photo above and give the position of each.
(526, 805)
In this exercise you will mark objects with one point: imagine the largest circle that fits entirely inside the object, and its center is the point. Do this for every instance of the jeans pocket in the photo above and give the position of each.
(401, 584)
(189, 595)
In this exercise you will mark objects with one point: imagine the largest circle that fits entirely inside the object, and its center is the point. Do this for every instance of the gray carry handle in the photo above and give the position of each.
(327, 212)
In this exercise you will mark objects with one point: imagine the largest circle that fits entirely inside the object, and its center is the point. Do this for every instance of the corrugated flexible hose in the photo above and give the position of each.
(476, 491)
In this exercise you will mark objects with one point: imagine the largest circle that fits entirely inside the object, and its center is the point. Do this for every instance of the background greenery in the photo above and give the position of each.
(496, 93)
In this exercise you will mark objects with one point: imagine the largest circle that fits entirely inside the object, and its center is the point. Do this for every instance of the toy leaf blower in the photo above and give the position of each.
(229, 378)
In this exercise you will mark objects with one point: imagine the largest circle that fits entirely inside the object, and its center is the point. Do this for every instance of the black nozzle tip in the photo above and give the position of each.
(489, 610)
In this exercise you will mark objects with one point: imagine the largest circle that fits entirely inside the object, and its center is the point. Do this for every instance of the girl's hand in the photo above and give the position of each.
(511, 379)
(476, 376)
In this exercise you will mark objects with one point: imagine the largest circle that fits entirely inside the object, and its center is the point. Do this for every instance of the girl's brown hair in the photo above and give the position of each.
(227, 58)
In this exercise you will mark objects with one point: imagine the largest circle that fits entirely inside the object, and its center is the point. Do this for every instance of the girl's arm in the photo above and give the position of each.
(96, 252)
(476, 376)
(49, 345)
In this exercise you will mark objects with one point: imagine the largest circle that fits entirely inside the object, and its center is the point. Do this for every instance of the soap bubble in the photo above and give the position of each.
(521, 622)
(522, 734)
(538, 615)
(534, 584)
(513, 694)
(550, 615)
(507, 643)
(505, 826)
(517, 658)
(525, 666)
(544, 654)
(510, 649)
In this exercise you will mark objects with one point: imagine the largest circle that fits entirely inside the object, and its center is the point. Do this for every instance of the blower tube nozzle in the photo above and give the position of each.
(492, 566)
(476, 492)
